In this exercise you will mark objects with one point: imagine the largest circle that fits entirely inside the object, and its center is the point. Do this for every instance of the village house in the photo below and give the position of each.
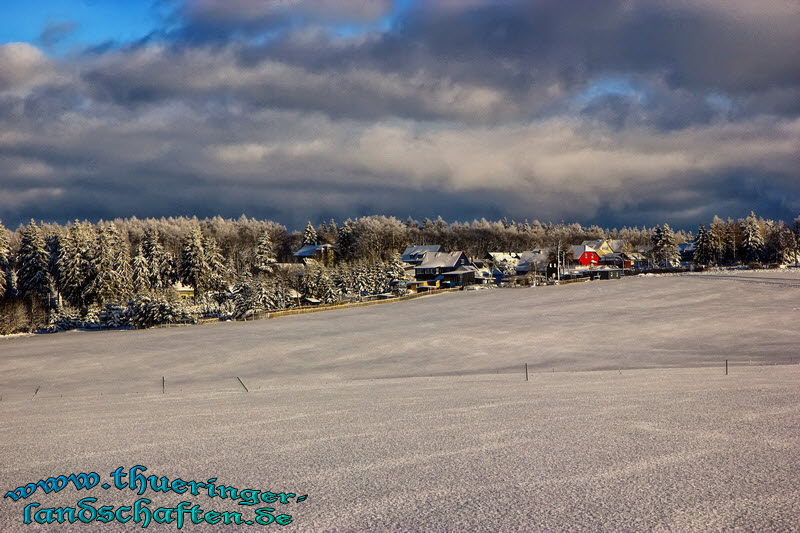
(604, 247)
(532, 262)
(435, 264)
(585, 255)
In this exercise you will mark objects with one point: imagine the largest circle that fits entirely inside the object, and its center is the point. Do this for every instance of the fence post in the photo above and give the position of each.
(726, 367)
(163, 384)
(526, 371)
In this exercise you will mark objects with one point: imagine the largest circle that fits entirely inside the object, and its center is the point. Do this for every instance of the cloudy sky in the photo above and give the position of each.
(616, 112)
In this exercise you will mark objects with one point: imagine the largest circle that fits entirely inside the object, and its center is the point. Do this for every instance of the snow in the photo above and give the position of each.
(413, 416)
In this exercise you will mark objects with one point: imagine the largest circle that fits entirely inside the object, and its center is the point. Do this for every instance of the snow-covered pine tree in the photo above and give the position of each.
(123, 266)
(194, 267)
(264, 256)
(159, 263)
(779, 244)
(670, 253)
(361, 283)
(752, 240)
(665, 251)
(243, 297)
(394, 268)
(140, 275)
(280, 295)
(310, 281)
(217, 270)
(108, 282)
(75, 266)
(310, 235)
(703, 247)
(5, 261)
(33, 277)
(52, 244)
(345, 242)
(328, 293)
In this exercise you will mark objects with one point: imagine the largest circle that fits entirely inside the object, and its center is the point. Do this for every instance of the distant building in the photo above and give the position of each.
(585, 255)
(185, 292)
(687, 252)
(322, 253)
(532, 261)
(600, 246)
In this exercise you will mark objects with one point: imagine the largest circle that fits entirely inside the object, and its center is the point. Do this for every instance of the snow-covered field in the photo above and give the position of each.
(417, 416)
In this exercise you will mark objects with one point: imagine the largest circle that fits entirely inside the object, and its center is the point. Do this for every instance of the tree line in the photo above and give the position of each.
(126, 269)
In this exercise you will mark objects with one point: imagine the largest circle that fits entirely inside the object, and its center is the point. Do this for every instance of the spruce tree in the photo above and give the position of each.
(33, 277)
(140, 275)
(264, 259)
(703, 247)
(665, 251)
(310, 235)
(110, 282)
(194, 267)
(217, 271)
(752, 240)
(159, 264)
(75, 267)
(345, 242)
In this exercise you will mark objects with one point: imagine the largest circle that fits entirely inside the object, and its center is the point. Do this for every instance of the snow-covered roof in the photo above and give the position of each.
(617, 245)
(463, 269)
(417, 250)
(580, 249)
(537, 258)
(594, 244)
(291, 293)
(310, 250)
(440, 259)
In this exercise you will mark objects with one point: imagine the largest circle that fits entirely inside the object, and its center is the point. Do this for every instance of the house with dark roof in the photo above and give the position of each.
(434, 264)
(413, 254)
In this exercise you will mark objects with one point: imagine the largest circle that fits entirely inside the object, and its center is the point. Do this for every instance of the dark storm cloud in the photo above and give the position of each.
(615, 112)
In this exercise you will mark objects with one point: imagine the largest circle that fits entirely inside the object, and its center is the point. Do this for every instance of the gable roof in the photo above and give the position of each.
(617, 245)
(594, 244)
(581, 249)
(418, 250)
(440, 259)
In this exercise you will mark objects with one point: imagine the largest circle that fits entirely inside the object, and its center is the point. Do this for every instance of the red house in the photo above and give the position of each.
(585, 255)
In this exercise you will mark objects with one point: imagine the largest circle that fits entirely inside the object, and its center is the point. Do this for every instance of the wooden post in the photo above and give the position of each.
(243, 385)
(726, 367)
(163, 384)
(526, 371)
